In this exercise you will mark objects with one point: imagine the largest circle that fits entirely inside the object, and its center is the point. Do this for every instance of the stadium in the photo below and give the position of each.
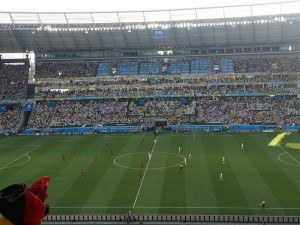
(178, 116)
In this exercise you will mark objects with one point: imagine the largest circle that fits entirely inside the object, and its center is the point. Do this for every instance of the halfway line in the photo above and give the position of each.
(144, 175)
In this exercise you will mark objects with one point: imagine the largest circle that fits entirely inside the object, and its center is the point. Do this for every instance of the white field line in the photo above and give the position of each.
(5, 140)
(291, 164)
(38, 146)
(137, 195)
(19, 164)
(173, 207)
(138, 168)
(289, 154)
(13, 146)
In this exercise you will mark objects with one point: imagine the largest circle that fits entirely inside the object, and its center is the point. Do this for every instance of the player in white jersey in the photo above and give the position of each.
(242, 146)
(221, 176)
(185, 162)
(179, 149)
(190, 155)
(223, 159)
(149, 155)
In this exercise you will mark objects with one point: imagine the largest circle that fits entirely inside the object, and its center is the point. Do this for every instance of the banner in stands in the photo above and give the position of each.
(159, 33)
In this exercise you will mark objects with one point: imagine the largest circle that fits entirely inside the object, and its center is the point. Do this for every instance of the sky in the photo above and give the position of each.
(115, 5)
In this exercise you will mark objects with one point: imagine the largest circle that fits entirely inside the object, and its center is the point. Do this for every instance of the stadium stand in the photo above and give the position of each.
(179, 67)
(103, 69)
(10, 119)
(41, 116)
(201, 66)
(226, 66)
(128, 68)
(147, 68)
(13, 83)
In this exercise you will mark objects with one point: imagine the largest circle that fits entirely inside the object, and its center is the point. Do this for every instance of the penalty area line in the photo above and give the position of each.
(26, 154)
(289, 154)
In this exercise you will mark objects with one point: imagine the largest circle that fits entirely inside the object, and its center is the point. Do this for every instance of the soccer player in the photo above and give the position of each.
(185, 162)
(223, 159)
(179, 149)
(143, 141)
(74, 152)
(140, 175)
(194, 136)
(112, 154)
(142, 166)
(63, 159)
(180, 167)
(96, 159)
(81, 173)
(149, 155)
(155, 140)
(263, 203)
(221, 176)
(242, 146)
(190, 156)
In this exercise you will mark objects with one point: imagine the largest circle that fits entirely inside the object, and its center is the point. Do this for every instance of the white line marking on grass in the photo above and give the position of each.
(137, 195)
(26, 154)
(5, 140)
(19, 164)
(138, 168)
(291, 164)
(13, 146)
(172, 207)
(286, 152)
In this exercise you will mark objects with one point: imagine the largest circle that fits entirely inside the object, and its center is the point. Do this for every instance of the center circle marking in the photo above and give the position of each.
(154, 168)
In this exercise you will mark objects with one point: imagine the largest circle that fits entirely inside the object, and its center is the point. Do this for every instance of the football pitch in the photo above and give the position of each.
(87, 179)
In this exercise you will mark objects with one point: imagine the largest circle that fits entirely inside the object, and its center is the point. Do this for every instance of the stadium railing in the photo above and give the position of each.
(172, 218)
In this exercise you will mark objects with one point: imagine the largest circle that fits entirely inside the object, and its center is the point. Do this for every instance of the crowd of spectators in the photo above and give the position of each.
(223, 110)
(62, 70)
(179, 90)
(267, 64)
(14, 79)
(10, 120)
(248, 110)
(246, 64)
(171, 80)
(89, 113)
(40, 116)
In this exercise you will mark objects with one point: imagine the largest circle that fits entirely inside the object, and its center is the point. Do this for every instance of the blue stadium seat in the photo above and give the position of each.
(201, 66)
(147, 68)
(226, 66)
(179, 68)
(128, 68)
(103, 69)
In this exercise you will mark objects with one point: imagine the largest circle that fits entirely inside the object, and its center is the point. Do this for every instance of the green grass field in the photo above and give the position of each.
(113, 185)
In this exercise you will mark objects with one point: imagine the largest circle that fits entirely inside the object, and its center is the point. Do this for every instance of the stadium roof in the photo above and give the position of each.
(214, 26)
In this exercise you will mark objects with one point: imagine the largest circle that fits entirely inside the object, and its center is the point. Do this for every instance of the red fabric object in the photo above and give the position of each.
(40, 187)
(34, 209)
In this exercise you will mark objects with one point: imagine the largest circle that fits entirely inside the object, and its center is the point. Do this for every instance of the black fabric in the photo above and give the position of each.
(12, 203)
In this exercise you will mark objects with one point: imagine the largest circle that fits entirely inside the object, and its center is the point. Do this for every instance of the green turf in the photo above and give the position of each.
(250, 175)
